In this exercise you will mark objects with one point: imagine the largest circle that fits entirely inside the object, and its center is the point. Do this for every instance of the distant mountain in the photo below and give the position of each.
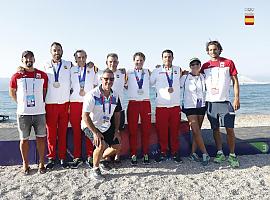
(243, 80)
(4, 84)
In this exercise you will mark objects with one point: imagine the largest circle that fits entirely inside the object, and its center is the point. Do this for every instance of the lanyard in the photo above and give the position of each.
(104, 101)
(139, 81)
(82, 78)
(217, 74)
(56, 74)
(33, 83)
(170, 79)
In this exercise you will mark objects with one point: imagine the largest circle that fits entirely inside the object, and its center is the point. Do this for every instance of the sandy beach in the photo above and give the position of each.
(167, 180)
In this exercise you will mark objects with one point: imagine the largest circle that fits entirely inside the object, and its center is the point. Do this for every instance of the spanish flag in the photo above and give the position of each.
(249, 19)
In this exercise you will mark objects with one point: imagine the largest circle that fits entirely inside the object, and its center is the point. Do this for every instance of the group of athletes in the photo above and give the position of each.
(91, 100)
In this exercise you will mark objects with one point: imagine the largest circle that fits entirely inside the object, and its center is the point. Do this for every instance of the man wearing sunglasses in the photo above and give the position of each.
(219, 72)
(99, 106)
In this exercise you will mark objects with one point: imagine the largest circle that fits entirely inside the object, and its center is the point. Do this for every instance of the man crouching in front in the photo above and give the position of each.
(99, 105)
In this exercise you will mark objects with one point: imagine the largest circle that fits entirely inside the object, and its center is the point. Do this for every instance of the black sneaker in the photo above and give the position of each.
(105, 165)
(89, 162)
(50, 164)
(160, 157)
(76, 163)
(134, 160)
(64, 164)
(176, 157)
(96, 174)
(146, 160)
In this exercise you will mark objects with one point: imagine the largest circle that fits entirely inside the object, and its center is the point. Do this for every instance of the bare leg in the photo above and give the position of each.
(231, 139)
(41, 150)
(195, 126)
(111, 151)
(97, 154)
(24, 148)
(217, 137)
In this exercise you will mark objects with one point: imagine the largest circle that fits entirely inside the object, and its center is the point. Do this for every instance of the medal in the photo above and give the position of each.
(82, 92)
(56, 84)
(170, 90)
(140, 91)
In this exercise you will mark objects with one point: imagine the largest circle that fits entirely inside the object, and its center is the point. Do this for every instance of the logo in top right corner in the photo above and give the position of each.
(249, 16)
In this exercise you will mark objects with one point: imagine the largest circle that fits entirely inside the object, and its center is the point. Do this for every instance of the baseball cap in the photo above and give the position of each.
(193, 60)
(25, 53)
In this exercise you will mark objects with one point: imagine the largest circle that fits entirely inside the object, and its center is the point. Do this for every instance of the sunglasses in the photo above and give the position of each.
(194, 64)
(106, 79)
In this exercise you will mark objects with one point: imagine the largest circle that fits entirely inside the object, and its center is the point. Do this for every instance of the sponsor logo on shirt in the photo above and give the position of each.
(38, 76)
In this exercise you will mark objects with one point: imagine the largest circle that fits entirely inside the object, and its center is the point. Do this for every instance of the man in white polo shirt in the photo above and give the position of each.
(101, 105)
(28, 89)
(57, 105)
(166, 79)
(139, 106)
(219, 73)
(83, 79)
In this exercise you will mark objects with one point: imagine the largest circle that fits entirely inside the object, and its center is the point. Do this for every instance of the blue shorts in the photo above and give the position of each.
(108, 136)
(220, 114)
(26, 122)
(194, 111)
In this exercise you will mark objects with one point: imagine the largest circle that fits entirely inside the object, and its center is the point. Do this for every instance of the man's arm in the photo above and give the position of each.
(44, 93)
(117, 125)
(236, 102)
(13, 94)
(89, 123)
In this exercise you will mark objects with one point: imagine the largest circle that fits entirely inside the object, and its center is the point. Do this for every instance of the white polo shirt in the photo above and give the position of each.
(93, 103)
(218, 78)
(159, 79)
(193, 90)
(90, 81)
(58, 95)
(133, 89)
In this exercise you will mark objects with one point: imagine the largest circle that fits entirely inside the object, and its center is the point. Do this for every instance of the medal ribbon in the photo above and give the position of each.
(56, 74)
(170, 79)
(82, 78)
(139, 81)
(104, 101)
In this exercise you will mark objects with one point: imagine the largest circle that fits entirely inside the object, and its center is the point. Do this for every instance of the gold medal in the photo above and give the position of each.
(82, 92)
(56, 84)
(170, 90)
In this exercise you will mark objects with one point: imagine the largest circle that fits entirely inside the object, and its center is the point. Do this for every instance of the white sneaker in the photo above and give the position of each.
(96, 174)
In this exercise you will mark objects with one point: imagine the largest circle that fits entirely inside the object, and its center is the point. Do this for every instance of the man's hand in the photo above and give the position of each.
(98, 137)
(117, 136)
(236, 104)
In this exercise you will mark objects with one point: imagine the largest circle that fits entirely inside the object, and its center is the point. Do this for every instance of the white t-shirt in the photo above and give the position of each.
(61, 94)
(159, 79)
(90, 81)
(218, 78)
(134, 93)
(193, 90)
(93, 103)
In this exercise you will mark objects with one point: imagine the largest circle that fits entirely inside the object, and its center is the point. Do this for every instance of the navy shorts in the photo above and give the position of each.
(108, 136)
(220, 114)
(194, 111)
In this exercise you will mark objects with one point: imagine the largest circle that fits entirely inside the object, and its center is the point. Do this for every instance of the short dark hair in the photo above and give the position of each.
(139, 54)
(79, 51)
(167, 51)
(107, 70)
(56, 44)
(214, 42)
(114, 55)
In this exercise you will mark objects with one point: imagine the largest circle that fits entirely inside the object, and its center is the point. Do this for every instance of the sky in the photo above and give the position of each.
(125, 27)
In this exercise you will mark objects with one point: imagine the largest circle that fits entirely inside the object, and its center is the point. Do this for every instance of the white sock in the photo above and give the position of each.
(204, 155)
(232, 154)
(220, 152)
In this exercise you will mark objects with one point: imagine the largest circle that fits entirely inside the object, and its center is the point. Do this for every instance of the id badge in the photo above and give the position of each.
(105, 121)
(30, 101)
(199, 103)
(214, 91)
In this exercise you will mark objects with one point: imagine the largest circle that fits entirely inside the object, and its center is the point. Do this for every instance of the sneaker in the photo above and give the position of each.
(234, 162)
(176, 158)
(50, 163)
(105, 165)
(205, 159)
(134, 160)
(146, 160)
(194, 157)
(220, 157)
(96, 174)
(160, 157)
(89, 161)
(76, 163)
(64, 164)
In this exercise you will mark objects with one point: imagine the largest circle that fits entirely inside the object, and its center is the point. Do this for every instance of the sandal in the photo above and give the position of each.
(26, 171)
(42, 170)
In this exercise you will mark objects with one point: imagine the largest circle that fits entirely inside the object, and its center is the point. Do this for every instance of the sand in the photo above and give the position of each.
(167, 180)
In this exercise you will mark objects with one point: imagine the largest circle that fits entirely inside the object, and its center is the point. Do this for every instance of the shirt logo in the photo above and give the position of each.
(65, 67)
(117, 76)
(222, 64)
(38, 76)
